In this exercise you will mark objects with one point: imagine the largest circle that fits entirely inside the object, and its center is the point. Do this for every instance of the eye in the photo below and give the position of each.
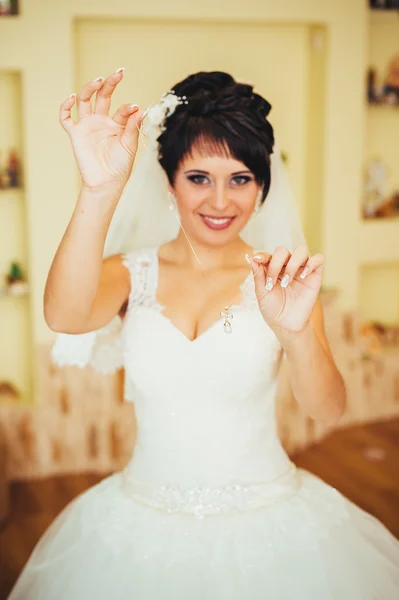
(198, 179)
(241, 179)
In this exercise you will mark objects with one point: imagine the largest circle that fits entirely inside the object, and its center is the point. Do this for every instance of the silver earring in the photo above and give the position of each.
(172, 201)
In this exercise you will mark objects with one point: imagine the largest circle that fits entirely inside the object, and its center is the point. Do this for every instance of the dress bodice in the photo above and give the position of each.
(204, 408)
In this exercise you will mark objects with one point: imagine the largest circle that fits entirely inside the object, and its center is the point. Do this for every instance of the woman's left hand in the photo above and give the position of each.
(295, 279)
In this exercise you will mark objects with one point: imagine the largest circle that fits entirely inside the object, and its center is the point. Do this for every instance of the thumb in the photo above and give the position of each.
(258, 271)
(131, 134)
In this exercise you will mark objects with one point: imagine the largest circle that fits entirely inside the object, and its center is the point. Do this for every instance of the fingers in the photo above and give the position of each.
(104, 93)
(315, 264)
(104, 89)
(298, 259)
(83, 99)
(124, 112)
(280, 257)
(284, 266)
(258, 263)
(65, 113)
(131, 133)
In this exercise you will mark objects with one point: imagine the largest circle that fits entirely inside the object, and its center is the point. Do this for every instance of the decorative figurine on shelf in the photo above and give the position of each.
(372, 95)
(389, 208)
(4, 176)
(16, 284)
(391, 86)
(375, 189)
(8, 392)
(13, 168)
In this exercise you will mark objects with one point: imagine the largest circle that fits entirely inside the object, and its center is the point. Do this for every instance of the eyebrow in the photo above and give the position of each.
(207, 172)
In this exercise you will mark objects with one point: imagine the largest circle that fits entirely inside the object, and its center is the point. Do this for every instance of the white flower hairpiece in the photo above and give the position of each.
(159, 112)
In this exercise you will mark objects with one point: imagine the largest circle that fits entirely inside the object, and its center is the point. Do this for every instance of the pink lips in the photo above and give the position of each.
(217, 223)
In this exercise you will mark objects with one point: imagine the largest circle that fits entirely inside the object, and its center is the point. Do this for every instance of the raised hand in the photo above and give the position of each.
(287, 286)
(104, 146)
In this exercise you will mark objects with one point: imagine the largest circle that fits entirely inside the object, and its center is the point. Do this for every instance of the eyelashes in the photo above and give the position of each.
(203, 179)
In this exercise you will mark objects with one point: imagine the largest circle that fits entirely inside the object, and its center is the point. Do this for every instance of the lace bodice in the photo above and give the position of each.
(212, 397)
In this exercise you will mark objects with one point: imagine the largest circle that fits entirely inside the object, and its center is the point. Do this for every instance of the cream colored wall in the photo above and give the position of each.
(99, 42)
(378, 252)
(41, 44)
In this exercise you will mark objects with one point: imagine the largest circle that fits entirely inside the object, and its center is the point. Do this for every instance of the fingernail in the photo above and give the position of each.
(258, 257)
(98, 79)
(304, 273)
(285, 280)
(120, 69)
(133, 105)
(74, 94)
(269, 283)
(247, 259)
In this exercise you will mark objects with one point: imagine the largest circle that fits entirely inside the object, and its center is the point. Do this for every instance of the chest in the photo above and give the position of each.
(192, 301)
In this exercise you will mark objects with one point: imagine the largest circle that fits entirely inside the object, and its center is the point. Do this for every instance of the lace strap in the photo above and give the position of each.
(142, 265)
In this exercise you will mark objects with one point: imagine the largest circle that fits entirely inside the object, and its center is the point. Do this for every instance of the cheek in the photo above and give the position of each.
(244, 200)
(190, 196)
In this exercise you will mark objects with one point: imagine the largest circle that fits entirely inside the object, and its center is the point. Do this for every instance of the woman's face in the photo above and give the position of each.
(215, 197)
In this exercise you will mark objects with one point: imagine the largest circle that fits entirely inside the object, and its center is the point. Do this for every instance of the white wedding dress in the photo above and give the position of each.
(210, 507)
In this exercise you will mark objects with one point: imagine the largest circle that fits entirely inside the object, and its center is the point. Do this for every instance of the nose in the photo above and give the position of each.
(219, 200)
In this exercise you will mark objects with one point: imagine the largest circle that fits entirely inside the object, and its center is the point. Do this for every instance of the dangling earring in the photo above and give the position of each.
(258, 201)
(172, 201)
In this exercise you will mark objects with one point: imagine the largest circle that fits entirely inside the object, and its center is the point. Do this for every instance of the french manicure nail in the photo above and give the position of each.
(258, 257)
(304, 273)
(285, 280)
(98, 79)
(133, 105)
(74, 94)
(120, 69)
(269, 283)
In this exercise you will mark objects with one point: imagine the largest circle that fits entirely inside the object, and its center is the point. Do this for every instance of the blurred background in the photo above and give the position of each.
(331, 72)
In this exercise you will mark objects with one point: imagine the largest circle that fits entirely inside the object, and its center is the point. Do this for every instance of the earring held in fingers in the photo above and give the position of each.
(269, 283)
(285, 280)
(247, 259)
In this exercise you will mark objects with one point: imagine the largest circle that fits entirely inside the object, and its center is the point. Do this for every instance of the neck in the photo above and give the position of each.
(210, 257)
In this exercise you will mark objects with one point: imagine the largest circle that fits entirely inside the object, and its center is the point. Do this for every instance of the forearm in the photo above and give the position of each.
(315, 380)
(75, 271)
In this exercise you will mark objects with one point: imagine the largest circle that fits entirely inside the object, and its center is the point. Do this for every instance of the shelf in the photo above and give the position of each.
(12, 190)
(375, 105)
(4, 293)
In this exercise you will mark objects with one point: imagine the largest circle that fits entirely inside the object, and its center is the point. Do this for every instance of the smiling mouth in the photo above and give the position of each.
(217, 222)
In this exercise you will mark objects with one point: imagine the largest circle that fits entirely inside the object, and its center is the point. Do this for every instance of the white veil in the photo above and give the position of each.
(143, 219)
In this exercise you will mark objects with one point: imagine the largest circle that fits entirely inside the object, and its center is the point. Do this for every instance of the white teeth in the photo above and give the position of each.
(218, 221)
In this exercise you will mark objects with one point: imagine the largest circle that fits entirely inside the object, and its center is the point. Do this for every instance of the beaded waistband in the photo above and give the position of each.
(203, 500)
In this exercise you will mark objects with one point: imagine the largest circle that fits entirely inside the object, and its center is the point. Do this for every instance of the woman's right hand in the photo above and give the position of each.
(104, 147)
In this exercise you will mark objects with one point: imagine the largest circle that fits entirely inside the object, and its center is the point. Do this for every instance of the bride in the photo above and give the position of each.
(152, 274)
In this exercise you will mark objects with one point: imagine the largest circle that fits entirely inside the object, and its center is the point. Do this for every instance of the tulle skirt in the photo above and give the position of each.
(312, 545)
